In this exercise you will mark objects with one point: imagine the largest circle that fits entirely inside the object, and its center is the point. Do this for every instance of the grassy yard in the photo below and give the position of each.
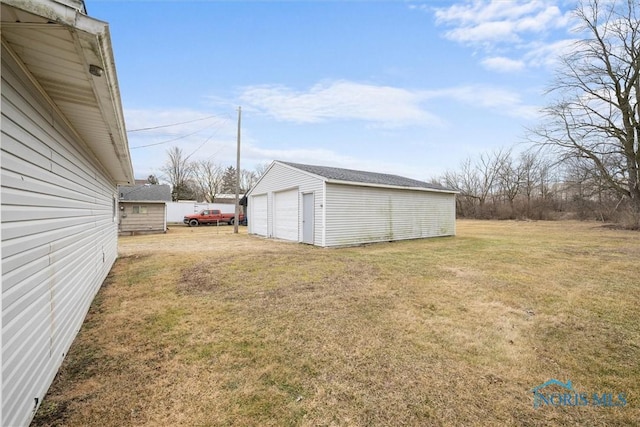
(204, 327)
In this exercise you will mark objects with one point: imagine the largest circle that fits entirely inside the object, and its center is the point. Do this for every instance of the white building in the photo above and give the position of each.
(64, 150)
(176, 211)
(327, 206)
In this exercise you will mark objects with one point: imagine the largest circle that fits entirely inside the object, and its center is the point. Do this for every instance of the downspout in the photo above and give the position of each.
(165, 217)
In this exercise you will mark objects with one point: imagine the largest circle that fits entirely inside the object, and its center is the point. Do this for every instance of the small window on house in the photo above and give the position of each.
(139, 209)
(113, 209)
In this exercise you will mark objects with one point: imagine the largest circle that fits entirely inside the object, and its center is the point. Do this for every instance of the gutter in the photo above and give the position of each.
(394, 187)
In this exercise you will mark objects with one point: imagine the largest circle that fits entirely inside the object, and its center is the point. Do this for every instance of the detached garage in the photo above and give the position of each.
(326, 206)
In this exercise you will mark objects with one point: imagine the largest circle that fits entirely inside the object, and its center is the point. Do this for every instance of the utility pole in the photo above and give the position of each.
(237, 217)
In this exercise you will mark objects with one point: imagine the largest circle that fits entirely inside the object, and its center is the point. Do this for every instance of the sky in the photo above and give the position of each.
(411, 88)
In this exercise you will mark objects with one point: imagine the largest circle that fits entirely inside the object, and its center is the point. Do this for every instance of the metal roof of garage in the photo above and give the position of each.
(340, 175)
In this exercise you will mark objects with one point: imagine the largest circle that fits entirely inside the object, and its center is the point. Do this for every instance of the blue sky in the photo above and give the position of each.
(404, 87)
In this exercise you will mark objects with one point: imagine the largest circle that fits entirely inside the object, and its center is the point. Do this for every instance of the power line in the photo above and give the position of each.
(217, 124)
(200, 146)
(173, 124)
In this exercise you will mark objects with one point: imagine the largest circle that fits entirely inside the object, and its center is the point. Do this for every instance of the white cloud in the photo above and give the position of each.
(214, 138)
(513, 28)
(484, 32)
(382, 105)
(498, 20)
(340, 100)
(483, 10)
(547, 54)
(498, 100)
(299, 155)
(502, 64)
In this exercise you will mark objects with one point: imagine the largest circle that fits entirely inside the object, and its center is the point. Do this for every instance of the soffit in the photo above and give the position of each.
(57, 45)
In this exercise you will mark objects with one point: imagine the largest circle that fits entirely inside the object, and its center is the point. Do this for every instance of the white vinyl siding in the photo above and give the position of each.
(348, 214)
(360, 214)
(282, 177)
(59, 240)
(285, 215)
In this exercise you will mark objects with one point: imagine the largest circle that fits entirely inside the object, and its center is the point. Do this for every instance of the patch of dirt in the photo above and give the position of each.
(51, 413)
(135, 256)
(273, 271)
(196, 279)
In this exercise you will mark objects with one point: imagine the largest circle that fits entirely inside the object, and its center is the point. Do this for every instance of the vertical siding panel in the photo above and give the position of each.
(59, 240)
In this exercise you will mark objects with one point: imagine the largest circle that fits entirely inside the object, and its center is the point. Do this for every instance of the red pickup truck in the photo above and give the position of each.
(210, 216)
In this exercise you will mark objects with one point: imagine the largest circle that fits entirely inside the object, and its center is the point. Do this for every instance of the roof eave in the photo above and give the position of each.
(91, 46)
(395, 187)
(143, 201)
(112, 108)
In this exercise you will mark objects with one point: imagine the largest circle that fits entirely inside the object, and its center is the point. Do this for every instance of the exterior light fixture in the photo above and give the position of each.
(95, 70)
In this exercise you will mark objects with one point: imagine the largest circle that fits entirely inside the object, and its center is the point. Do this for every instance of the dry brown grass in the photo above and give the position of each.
(203, 327)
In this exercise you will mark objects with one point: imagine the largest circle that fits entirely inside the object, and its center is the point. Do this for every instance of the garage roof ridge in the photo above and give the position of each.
(364, 177)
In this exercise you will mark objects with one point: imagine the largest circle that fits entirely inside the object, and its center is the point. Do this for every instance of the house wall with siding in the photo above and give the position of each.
(59, 240)
(282, 177)
(360, 214)
(154, 220)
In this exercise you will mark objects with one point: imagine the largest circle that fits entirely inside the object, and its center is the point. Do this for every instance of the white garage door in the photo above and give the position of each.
(258, 215)
(285, 214)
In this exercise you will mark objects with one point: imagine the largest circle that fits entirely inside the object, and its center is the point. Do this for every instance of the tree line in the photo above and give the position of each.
(202, 180)
(532, 185)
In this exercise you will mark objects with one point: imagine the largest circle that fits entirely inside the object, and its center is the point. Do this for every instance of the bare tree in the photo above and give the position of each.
(496, 185)
(451, 180)
(509, 175)
(247, 180)
(208, 177)
(178, 171)
(465, 181)
(487, 168)
(260, 169)
(597, 115)
(530, 165)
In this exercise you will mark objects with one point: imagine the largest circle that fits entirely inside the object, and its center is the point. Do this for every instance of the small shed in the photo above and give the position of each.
(328, 206)
(143, 209)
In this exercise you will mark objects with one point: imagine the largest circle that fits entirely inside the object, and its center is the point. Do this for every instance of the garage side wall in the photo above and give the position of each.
(262, 207)
(59, 241)
(358, 214)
